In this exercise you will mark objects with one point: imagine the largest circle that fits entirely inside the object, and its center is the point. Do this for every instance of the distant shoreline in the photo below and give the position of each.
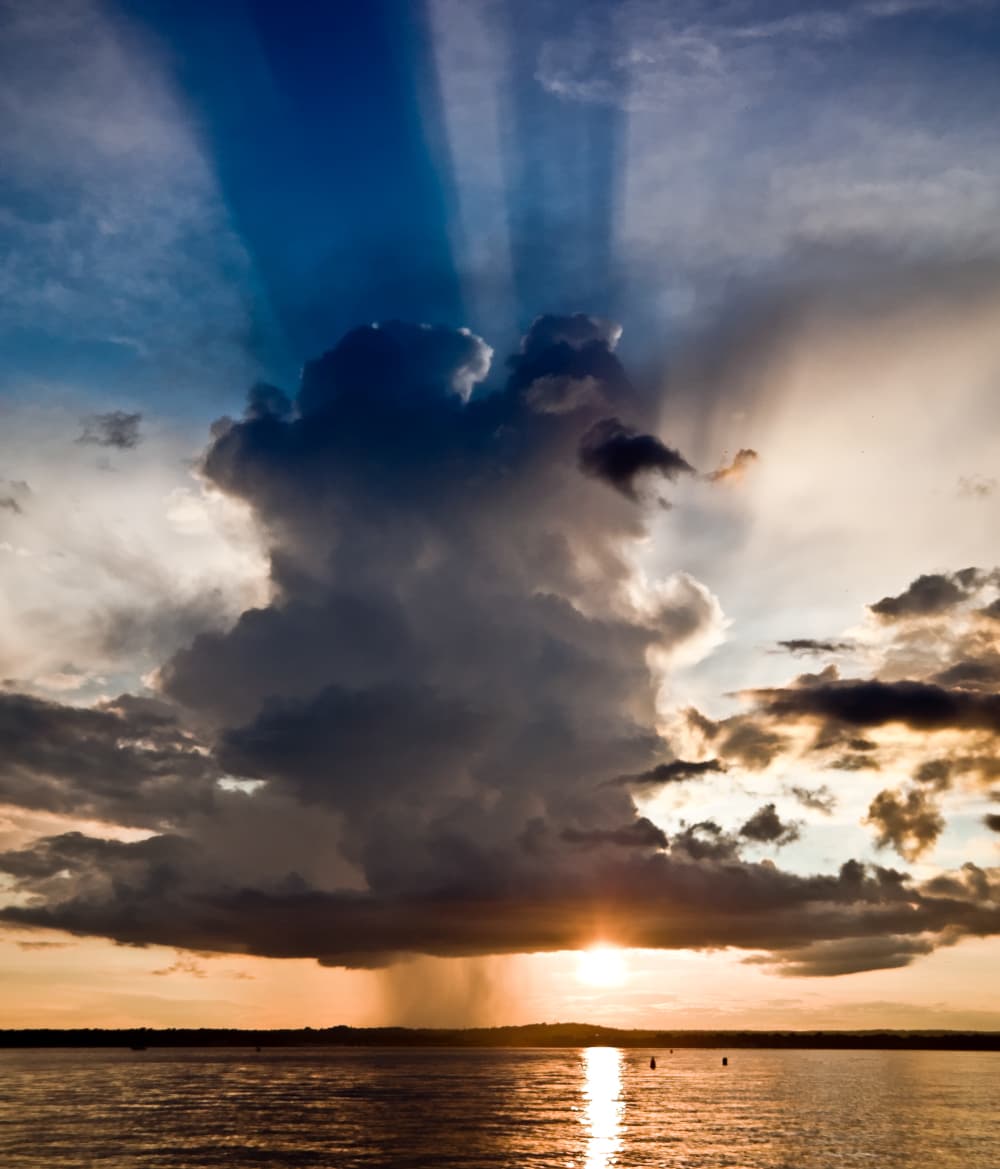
(532, 1035)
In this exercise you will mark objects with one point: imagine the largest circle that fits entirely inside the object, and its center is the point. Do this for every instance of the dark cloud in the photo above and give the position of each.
(842, 747)
(818, 799)
(848, 956)
(620, 455)
(397, 763)
(952, 687)
(267, 401)
(700, 895)
(935, 772)
(564, 395)
(981, 769)
(743, 741)
(765, 826)
(829, 673)
(116, 429)
(567, 365)
(970, 883)
(706, 840)
(809, 645)
(928, 595)
(127, 760)
(676, 771)
(551, 335)
(394, 365)
(923, 706)
(854, 762)
(740, 739)
(735, 470)
(860, 744)
(981, 673)
(641, 833)
(907, 820)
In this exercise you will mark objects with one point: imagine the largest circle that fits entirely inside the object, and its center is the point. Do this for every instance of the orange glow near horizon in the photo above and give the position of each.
(602, 965)
(53, 979)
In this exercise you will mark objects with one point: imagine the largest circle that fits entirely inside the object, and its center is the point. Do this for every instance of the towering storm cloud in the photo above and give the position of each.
(437, 730)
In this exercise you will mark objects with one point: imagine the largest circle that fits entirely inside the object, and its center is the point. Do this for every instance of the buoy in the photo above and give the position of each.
(725, 1061)
(652, 1062)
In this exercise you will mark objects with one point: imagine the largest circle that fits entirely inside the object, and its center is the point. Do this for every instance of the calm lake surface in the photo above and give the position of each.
(591, 1108)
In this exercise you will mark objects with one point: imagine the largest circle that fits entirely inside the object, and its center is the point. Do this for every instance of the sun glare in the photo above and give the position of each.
(602, 966)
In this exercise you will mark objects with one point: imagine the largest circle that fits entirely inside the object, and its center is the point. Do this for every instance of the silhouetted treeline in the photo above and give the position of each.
(532, 1035)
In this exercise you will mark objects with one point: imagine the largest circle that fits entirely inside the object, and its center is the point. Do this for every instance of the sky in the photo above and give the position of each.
(483, 481)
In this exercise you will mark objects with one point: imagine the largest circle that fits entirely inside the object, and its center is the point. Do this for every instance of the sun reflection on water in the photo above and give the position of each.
(602, 1069)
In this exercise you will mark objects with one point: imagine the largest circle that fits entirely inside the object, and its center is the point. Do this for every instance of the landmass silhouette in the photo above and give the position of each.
(529, 1035)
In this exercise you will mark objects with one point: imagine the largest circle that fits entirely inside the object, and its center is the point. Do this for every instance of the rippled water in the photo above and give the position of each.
(593, 1108)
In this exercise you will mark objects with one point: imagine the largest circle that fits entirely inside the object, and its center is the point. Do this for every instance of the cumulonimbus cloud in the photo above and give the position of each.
(438, 722)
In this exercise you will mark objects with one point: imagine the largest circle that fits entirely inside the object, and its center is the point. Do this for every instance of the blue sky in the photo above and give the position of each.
(285, 172)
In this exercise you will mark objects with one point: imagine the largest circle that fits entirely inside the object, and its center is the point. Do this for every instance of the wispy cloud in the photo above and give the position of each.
(752, 137)
(111, 216)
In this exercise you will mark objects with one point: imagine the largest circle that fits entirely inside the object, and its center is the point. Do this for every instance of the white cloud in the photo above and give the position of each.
(113, 560)
(750, 138)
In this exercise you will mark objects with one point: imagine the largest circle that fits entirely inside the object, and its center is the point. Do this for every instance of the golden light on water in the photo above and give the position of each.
(602, 1068)
(602, 966)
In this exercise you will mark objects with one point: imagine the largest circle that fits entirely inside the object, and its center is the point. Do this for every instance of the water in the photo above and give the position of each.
(591, 1109)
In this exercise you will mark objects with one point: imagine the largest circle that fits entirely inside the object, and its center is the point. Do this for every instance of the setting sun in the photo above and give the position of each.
(602, 966)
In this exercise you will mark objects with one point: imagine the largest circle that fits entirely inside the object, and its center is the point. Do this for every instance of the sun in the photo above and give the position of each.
(602, 966)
